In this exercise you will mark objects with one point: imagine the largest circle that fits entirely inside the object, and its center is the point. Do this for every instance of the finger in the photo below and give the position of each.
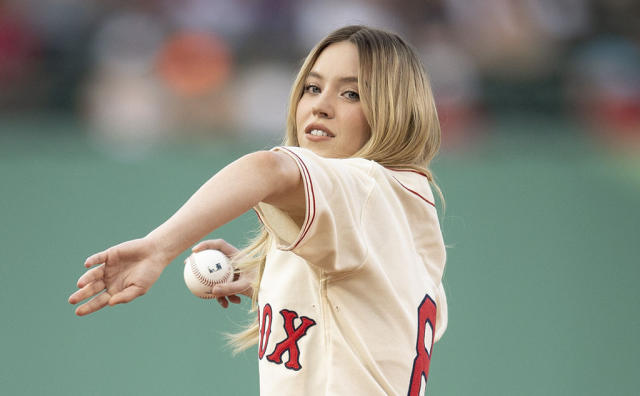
(95, 259)
(237, 287)
(217, 244)
(96, 303)
(126, 295)
(223, 301)
(234, 299)
(89, 290)
(91, 276)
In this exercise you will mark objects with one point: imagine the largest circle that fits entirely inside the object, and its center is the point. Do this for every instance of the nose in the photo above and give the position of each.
(322, 107)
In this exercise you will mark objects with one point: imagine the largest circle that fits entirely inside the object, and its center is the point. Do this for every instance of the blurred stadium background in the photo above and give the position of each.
(113, 113)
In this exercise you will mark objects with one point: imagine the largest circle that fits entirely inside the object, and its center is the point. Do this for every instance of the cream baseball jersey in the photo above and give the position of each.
(351, 302)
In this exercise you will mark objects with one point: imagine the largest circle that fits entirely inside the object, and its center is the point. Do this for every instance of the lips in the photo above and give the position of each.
(318, 127)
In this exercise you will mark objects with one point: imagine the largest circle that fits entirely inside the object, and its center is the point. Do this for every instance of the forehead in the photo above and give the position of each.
(337, 60)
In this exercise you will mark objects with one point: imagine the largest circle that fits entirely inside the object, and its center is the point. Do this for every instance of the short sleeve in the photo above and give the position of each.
(336, 191)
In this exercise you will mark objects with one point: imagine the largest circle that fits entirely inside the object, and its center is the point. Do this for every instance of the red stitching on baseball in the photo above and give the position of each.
(202, 279)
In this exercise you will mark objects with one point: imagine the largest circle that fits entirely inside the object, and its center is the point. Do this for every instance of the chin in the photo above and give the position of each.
(319, 151)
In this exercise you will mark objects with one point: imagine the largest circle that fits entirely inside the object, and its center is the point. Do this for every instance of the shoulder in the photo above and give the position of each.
(307, 159)
(407, 183)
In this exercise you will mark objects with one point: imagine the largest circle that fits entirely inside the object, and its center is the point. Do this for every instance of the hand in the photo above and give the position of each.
(124, 272)
(241, 283)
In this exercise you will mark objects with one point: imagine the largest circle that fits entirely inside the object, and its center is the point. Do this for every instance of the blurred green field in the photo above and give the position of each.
(543, 256)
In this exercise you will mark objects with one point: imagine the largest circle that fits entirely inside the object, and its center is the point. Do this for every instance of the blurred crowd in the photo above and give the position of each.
(150, 69)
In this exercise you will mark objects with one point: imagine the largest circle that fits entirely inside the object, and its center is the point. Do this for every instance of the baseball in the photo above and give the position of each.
(203, 270)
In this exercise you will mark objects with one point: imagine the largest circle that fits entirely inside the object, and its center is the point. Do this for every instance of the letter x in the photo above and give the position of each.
(290, 344)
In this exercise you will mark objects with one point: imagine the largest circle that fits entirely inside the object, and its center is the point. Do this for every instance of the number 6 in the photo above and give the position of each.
(424, 344)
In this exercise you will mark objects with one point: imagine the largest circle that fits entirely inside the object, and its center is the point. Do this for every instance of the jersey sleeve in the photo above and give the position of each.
(336, 191)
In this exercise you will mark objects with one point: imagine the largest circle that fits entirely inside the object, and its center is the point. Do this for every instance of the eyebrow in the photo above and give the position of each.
(349, 79)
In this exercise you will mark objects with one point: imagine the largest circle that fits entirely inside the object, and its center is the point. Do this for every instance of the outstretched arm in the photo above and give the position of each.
(263, 176)
(127, 271)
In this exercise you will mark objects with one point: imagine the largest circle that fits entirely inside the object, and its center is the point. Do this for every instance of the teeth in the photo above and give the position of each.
(317, 132)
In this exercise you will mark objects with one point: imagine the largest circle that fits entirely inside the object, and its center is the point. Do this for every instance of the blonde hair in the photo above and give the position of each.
(398, 104)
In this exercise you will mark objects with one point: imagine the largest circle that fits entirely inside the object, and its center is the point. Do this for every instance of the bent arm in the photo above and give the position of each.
(263, 176)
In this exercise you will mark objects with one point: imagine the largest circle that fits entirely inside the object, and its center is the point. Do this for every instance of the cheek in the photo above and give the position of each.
(299, 117)
(302, 109)
(364, 132)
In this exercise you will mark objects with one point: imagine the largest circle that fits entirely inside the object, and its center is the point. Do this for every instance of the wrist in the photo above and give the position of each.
(160, 249)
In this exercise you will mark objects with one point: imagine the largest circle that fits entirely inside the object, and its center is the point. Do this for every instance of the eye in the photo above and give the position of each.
(311, 88)
(352, 95)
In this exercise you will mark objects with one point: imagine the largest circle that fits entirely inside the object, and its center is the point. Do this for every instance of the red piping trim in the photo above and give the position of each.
(311, 198)
(258, 214)
(409, 170)
(407, 188)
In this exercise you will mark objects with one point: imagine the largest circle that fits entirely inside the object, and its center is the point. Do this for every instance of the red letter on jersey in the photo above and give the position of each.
(290, 344)
(426, 327)
(264, 339)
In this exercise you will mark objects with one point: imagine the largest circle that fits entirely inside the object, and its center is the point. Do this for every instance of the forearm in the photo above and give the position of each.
(231, 192)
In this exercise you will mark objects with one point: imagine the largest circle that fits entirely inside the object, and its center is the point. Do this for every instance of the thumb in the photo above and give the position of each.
(236, 287)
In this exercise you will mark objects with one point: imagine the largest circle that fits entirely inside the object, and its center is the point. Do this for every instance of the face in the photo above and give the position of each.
(329, 117)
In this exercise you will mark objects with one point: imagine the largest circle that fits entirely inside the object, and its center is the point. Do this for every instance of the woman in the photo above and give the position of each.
(346, 276)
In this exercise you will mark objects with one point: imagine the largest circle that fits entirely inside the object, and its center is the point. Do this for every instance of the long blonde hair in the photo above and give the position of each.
(398, 104)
